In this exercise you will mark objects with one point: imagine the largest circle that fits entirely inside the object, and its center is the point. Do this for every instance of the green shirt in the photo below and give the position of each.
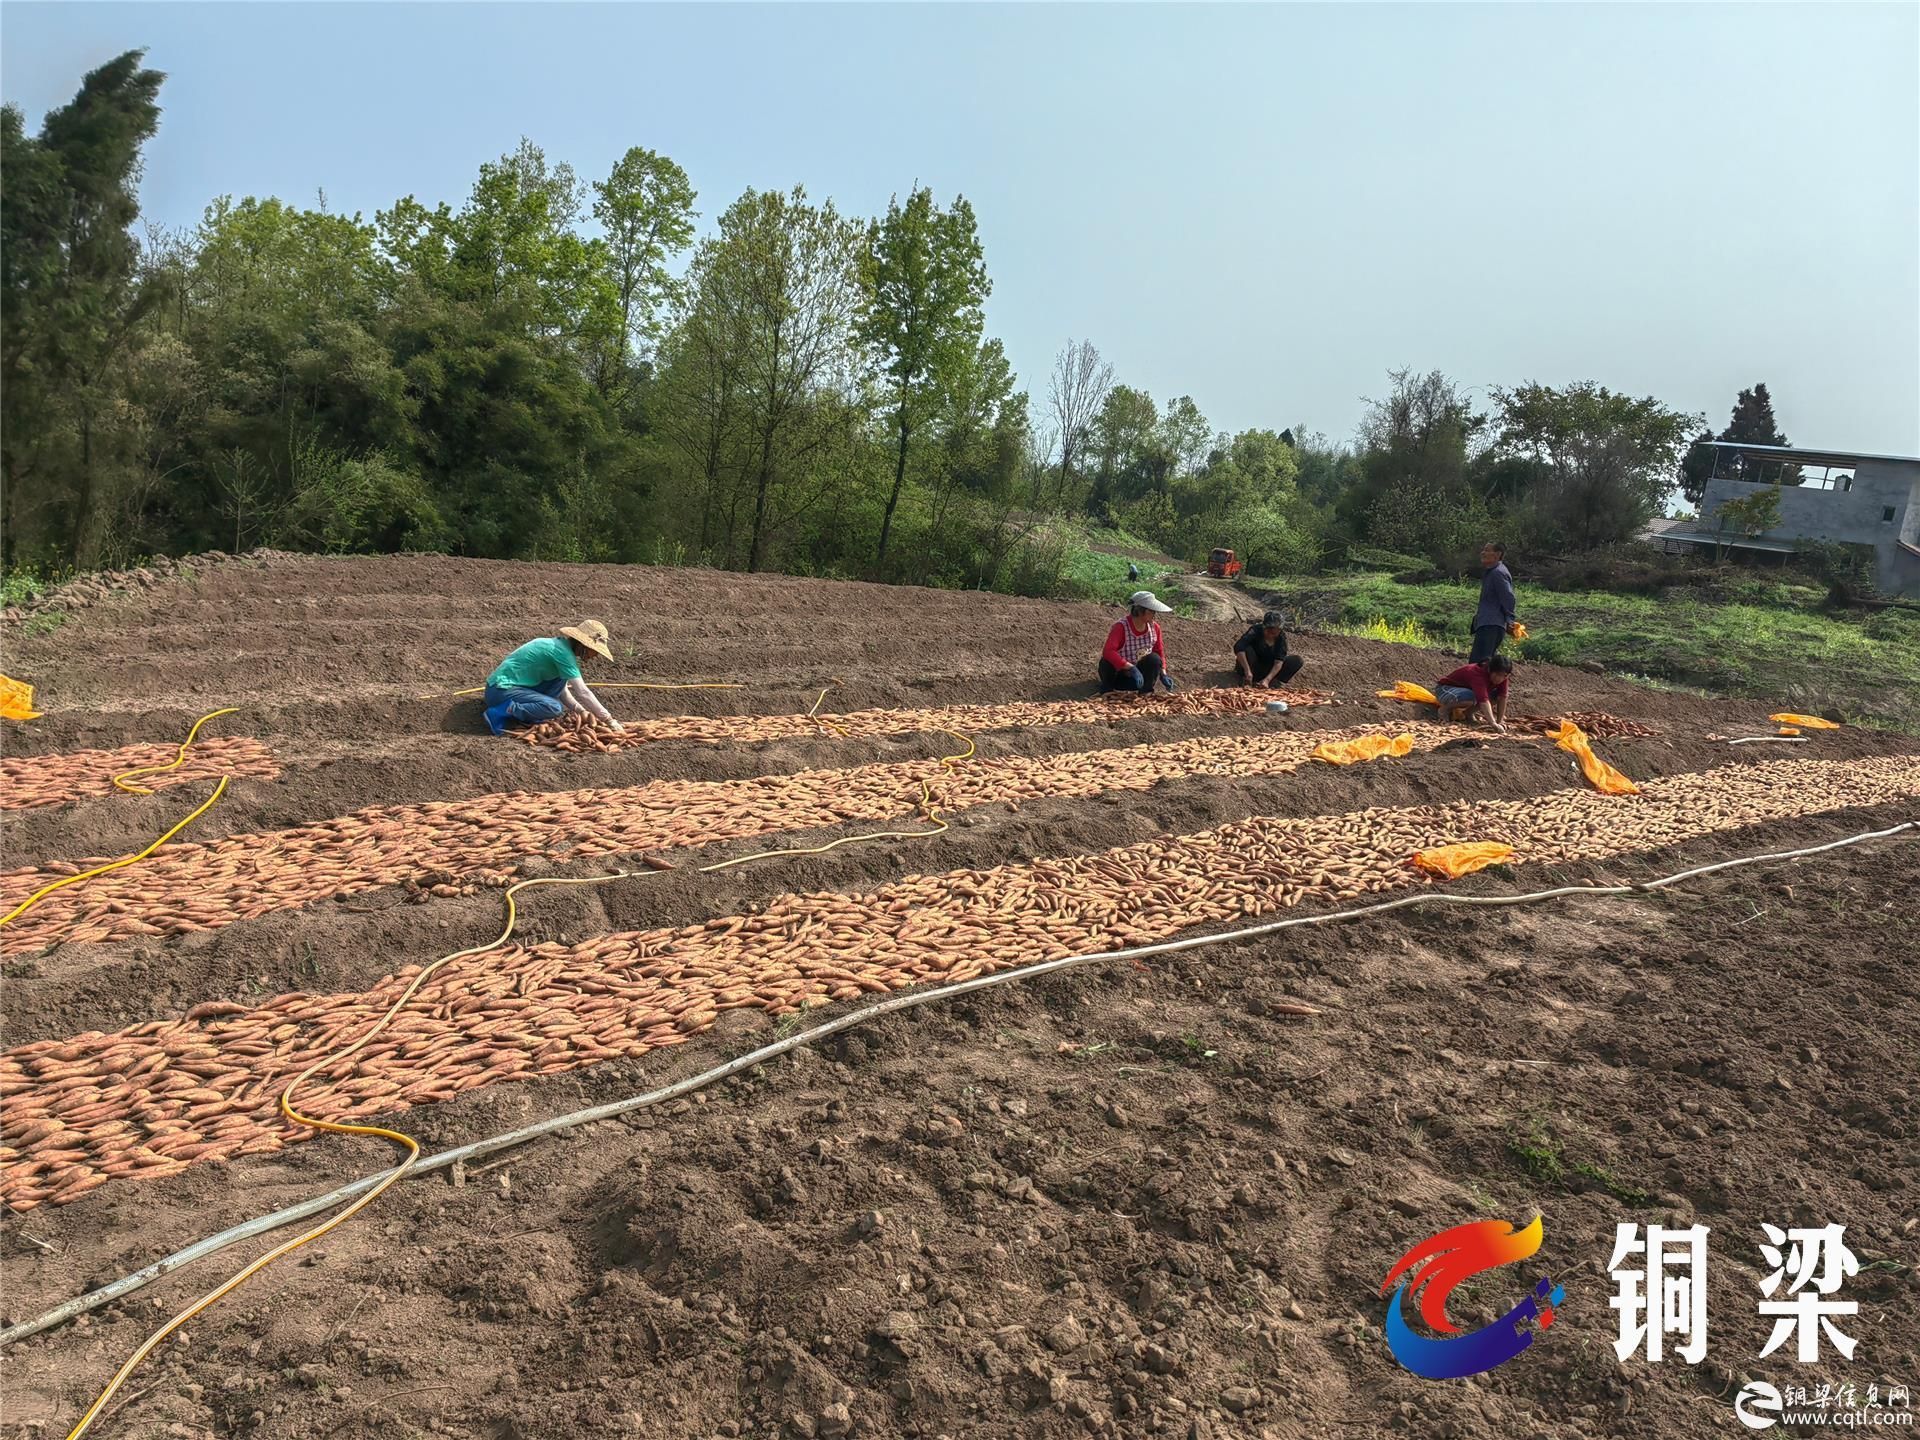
(537, 662)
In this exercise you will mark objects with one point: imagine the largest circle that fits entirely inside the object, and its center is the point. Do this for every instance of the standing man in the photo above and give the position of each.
(1261, 654)
(1495, 614)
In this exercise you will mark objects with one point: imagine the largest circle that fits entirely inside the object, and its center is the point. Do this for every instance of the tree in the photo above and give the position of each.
(514, 246)
(782, 280)
(646, 208)
(924, 281)
(1696, 468)
(1186, 436)
(1075, 394)
(1751, 423)
(1126, 441)
(699, 403)
(1420, 438)
(1607, 458)
(73, 292)
(1750, 515)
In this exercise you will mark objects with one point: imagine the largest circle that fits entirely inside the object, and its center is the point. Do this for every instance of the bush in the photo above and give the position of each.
(1423, 520)
(1836, 563)
(365, 505)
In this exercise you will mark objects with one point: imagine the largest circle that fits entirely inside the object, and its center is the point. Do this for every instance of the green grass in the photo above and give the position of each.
(1543, 1158)
(1090, 574)
(17, 587)
(1774, 648)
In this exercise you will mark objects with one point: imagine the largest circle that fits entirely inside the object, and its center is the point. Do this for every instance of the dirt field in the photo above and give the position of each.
(1136, 1199)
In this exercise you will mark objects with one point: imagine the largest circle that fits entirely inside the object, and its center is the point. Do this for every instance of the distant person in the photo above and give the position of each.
(541, 680)
(1479, 686)
(1133, 572)
(1261, 654)
(1495, 614)
(1135, 657)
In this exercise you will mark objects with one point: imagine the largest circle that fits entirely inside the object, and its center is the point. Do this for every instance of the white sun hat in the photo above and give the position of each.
(1145, 599)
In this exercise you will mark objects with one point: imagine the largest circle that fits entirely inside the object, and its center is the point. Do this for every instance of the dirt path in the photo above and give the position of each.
(1141, 1201)
(1219, 600)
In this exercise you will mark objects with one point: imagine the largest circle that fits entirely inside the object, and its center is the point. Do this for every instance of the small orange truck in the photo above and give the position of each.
(1222, 565)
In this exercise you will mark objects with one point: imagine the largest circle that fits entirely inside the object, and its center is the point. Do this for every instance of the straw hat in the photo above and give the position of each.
(590, 633)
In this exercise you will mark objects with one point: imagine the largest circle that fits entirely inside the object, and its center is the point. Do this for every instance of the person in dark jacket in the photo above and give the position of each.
(1495, 614)
(1261, 654)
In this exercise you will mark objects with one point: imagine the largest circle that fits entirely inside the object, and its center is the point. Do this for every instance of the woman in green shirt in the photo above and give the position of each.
(541, 680)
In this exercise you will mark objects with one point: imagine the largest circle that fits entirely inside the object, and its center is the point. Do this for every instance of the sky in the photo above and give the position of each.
(1264, 207)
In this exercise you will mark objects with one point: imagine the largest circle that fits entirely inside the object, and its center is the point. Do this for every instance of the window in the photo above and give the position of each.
(1886, 515)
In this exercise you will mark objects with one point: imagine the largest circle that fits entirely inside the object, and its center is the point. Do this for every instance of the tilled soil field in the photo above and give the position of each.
(1147, 1197)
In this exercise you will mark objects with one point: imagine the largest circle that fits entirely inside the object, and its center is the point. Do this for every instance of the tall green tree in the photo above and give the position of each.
(924, 282)
(1415, 445)
(1124, 439)
(1751, 423)
(777, 289)
(74, 296)
(645, 206)
(1607, 457)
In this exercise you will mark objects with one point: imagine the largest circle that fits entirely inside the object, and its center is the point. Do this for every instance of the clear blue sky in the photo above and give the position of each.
(1265, 208)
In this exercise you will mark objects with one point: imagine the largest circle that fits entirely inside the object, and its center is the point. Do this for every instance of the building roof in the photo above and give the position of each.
(1732, 542)
(1809, 457)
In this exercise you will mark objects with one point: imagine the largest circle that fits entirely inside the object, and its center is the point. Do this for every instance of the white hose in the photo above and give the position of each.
(904, 1001)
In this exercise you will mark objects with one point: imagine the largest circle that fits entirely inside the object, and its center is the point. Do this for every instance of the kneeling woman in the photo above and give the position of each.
(541, 680)
(1134, 657)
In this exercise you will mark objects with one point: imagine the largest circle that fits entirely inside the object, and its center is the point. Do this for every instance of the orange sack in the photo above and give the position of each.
(1602, 776)
(1413, 694)
(1453, 861)
(1516, 631)
(1367, 747)
(1805, 722)
(16, 700)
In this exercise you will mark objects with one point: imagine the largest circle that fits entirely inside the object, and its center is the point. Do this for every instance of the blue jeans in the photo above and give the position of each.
(523, 705)
(1146, 668)
(1451, 696)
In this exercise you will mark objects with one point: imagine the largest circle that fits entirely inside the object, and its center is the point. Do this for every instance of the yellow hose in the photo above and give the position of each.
(398, 1137)
(46, 890)
(121, 779)
(219, 790)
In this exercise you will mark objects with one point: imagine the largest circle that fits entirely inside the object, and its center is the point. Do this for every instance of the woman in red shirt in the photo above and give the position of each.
(1134, 657)
(1482, 686)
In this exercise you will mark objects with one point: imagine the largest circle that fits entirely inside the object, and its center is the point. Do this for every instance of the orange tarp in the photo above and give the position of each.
(1406, 690)
(1453, 861)
(1808, 722)
(1367, 747)
(16, 700)
(1602, 776)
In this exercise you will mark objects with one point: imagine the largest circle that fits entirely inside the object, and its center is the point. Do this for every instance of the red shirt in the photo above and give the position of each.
(1476, 679)
(1125, 644)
